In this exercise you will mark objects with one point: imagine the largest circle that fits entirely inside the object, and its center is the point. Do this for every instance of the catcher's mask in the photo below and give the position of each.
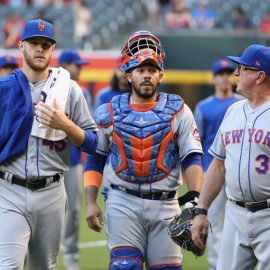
(142, 46)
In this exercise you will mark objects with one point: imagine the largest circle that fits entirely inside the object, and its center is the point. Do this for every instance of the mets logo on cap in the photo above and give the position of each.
(41, 25)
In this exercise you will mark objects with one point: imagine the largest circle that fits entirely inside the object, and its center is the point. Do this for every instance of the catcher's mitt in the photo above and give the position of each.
(180, 231)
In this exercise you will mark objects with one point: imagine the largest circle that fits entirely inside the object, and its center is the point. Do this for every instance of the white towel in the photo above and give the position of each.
(55, 88)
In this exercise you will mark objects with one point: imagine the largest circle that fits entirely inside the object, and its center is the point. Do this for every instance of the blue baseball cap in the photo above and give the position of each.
(222, 65)
(8, 60)
(38, 28)
(71, 56)
(256, 56)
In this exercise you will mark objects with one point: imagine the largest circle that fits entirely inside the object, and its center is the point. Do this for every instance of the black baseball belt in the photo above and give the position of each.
(146, 195)
(30, 184)
(252, 207)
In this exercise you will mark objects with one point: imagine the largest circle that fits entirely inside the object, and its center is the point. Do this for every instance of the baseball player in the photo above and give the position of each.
(8, 64)
(241, 160)
(33, 197)
(147, 136)
(71, 61)
(208, 115)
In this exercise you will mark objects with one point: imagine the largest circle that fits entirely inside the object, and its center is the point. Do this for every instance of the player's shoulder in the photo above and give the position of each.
(205, 103)
(174, 102)
(103, 115)
(235, 107)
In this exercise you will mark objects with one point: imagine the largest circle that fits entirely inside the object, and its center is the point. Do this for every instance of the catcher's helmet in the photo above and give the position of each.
(141, 46)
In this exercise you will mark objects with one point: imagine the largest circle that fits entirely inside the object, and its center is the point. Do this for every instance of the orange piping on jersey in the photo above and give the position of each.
(92, 178)
(162, 149)
(164, 144)
(121, 148)
(141, 155)
(143, 107)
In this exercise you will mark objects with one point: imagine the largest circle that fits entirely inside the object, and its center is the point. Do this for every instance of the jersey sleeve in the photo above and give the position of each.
(199, 121)
(103, 118)
(217, 149)
(186, 131)
(78, 110)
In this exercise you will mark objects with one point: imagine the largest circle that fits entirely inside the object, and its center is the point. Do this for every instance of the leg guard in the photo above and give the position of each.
(126, 258)
(169, 266)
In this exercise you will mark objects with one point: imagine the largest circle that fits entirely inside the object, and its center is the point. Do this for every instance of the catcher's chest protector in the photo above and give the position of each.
(143, 148)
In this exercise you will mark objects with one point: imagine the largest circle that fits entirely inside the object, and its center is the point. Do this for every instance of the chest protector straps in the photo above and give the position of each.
(143, 147)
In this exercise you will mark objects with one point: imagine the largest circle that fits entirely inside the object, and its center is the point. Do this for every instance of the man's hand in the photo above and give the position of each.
(94, 217)
(199, 230)
(52, 116)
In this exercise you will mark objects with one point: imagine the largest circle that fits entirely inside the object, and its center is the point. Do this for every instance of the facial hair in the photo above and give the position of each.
(35, 66)
(146, 95)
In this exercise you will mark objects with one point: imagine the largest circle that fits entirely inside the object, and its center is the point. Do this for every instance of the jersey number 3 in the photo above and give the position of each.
(263, 167)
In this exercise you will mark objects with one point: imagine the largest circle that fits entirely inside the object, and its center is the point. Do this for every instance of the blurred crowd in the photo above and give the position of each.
(178, 14)
(160, 15)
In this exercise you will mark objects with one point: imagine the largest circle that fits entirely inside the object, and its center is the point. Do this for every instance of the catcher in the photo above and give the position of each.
(180, 227)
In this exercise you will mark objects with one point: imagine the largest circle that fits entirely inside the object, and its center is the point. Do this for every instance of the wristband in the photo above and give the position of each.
(200, 211)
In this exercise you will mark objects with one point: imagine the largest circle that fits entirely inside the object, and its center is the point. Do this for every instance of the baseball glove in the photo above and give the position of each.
(180, 231)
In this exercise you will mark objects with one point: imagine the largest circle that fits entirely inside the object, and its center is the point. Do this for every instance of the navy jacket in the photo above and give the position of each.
(16, 115)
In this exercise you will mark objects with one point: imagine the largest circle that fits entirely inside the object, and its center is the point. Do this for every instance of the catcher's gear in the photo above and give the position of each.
(180, 231)
(141, 46)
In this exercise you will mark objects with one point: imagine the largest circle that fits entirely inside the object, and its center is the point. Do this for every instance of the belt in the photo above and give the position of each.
(252, 207)
(147, 195)
(30, 184)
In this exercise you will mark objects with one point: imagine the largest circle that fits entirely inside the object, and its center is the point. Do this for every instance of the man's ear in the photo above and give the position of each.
(260, 77)
(128, 76)
(20, 45)
(160, 76)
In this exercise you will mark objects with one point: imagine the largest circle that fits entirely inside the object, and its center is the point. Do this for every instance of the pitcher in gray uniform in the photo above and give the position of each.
(241, 159)
(147, 136)
(42, 112)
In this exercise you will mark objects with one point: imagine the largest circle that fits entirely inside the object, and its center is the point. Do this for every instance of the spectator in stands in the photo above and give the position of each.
(203, 15)
(240, 21)
(83, 20)
(265, 24)
(118, 86)
(152, 7)
(179, 17)
(13, 28)
(7, 65)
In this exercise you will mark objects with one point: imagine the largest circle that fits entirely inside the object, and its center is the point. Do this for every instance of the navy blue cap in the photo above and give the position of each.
(256, 56)
(222, 65)
(8, 60)
(38, 28)
(71, 56)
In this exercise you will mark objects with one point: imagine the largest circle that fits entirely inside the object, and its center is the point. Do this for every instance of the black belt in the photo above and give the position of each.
(253, 207)
(30, 184)
(147, 195)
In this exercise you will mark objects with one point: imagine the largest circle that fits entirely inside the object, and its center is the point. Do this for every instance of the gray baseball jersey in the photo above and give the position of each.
(33, 219)
(46, 158)
(243, 142)
(188, 141)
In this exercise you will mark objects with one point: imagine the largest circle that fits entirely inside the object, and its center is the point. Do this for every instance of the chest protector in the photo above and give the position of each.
(143, 148)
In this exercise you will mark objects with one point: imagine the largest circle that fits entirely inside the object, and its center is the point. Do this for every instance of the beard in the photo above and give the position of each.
(36, 66)
(145, 91)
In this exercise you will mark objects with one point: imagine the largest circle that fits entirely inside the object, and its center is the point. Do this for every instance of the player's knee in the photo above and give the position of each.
(126, 258)
(170, 266)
